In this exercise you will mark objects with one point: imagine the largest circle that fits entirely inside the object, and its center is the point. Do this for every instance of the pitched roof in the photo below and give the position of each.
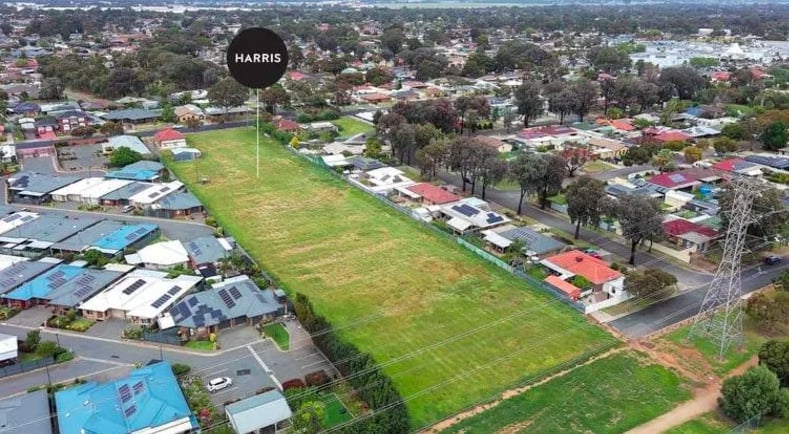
(167, 134)
(536, 243)
(165, 253)
(680, 226)
(579, 263)
(238, 297)
(148, 397)
(205, 250)
(733, 165)
(19, 273)
(258, 411)
(38, 184)
(434, 194)
(27, 413)
(673, 136)
(567, 288)
(674, 180)
(286, 125)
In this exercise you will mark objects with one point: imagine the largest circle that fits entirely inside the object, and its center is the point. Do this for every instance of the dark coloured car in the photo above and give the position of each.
(772, 260)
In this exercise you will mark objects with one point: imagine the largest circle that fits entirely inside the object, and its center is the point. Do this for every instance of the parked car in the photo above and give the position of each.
(219, 383)
(593, 253)
(127, 209)
(772, 259)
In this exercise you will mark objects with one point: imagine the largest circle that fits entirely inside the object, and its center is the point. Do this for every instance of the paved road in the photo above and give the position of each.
(509, 199)
(685, 305)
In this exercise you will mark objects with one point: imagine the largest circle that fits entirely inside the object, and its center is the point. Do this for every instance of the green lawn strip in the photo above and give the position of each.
(278, 334)
(735, 356)
(508, 185)
(597, 167)
(200, 345)
(390, 286)
(349, 126)
(610, 395)
(336, 412)
(29, 357)
(773, 426)
(709, 423)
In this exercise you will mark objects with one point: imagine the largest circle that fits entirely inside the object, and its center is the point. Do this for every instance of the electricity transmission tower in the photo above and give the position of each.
(720, 316)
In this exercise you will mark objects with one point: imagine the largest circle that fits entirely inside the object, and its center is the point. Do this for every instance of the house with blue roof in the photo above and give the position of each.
(148, 400)
(62, 287)
(126, 237)
(143, 170)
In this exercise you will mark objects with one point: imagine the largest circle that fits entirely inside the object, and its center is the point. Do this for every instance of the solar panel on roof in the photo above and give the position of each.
(125, 393)
(174, 290)
(235, 293)
(160, 301)
(138, 387)
(130, 411)
(85, 279)
(83, 291)
(12, 217)
(27, 218)
(130, 237)
(677, 177)
(226, 298)
(134, 286)
(199, 320)
(141, 231)
(193, 301)
(494, 218)
(465, 210)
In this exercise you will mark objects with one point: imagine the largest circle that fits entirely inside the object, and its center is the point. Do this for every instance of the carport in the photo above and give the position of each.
(257, 412)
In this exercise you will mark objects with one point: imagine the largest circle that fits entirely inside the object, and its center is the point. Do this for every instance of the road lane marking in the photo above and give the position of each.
(265, 368)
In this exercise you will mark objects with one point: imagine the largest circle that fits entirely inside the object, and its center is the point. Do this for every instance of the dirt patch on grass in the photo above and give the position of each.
(515, 428)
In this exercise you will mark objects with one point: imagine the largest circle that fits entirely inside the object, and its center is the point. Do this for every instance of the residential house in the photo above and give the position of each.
(71, 119)
(160, 256)
(604, 148)
(208, 250)
(142, 170)
(186, 154)
(466, 216)
(604, 282)
(82, 240)
(34, 149)
(132, 142)
(64, 287)
(771, 161)
(176, 205)
(497, 144)
(35, 188)
(739, 166)
(26, 413)
(189, 112)
(381, 181)
(132, 116)
(35, 237)
(148, 400)
(146, 198)
(17, 274)
(140, 297)
(169, 138)
(219, 114)
(684, 181)
(286, 125)
(73, 192)
(121, 196)
(689, 235)
(236, 301)
(535, 244)
(126, 237)
(258, 412)
(429, 194)
(318, 127)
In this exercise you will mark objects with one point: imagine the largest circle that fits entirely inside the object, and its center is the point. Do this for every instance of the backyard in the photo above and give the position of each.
(611, 395)
(349, 126)
(448, 328)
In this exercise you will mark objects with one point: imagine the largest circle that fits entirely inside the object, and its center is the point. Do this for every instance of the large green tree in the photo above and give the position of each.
(528, 101)
(649, 282)
(124, 156)
(228, 93)
(774, 355)
(584, 202)
(640, 218)
(774, 136)
(755, 393)
(539, 174)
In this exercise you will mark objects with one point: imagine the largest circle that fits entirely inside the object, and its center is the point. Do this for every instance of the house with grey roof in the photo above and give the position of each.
(236, 301)
(258, 412)
(178, 204)
(34, 238)
(36, 188)
(125, 141)
(80, 288)
(17, 274)
(121, 196)
(82, 240)
(534, 242)
(133, 116)
(28, 413)
(207, 250)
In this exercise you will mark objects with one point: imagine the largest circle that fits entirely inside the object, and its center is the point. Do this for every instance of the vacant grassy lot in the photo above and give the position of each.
(350, 127)
(611, 395)
(278, 334)
(448, 328)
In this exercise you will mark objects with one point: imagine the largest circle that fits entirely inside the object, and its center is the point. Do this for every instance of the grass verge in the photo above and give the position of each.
(278, 334)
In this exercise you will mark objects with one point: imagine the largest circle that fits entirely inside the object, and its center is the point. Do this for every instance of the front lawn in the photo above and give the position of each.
(610, 395)
(200, 345)
(278, 334)
(597, 166)
(349, 126)
(432, 312)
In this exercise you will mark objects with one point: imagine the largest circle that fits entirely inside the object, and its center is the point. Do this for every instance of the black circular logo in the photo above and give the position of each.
(257, 57)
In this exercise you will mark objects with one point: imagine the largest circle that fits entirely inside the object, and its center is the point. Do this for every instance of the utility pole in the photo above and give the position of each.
(720, 316)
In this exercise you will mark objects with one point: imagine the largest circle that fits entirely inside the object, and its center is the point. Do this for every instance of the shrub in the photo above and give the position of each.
(32, 339)
(757, 392)
(293, 384)
(210, 221)
(72, 315)
(180, 369)
(46, 348)
(64, 357)
(317, 378)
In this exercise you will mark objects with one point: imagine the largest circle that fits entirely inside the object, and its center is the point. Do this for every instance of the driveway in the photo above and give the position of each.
(33, 317)
(108, 329)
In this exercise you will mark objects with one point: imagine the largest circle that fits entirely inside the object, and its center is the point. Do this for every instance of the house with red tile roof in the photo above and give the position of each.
(687, 180)
(606, 283)
(689, 235)
(169, 138)
(673, 136)
(375, 98)
(430, 194)
(720, 76)
(286, 125)
(739, 166)
(567, 288)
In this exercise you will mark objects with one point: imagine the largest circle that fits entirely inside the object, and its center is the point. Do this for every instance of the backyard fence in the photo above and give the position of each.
(21, 367)
(489, 257)
(169, 337)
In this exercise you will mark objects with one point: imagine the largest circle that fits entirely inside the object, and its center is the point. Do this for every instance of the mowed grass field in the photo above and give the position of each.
(607, 396)
(447, 327)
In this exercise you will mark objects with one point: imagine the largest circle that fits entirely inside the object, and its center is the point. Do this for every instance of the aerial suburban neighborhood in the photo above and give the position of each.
(498, 217)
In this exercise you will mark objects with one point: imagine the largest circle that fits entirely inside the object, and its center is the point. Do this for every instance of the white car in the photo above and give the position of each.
(219, 383)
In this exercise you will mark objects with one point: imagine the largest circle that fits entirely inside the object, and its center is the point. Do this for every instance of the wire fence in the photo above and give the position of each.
(487, 256)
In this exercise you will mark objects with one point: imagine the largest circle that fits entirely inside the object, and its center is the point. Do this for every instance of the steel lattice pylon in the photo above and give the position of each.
(720, 316)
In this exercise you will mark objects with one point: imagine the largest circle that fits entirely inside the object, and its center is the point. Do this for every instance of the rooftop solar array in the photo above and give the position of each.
(139, 283)
(494, 218)
(466, 210)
